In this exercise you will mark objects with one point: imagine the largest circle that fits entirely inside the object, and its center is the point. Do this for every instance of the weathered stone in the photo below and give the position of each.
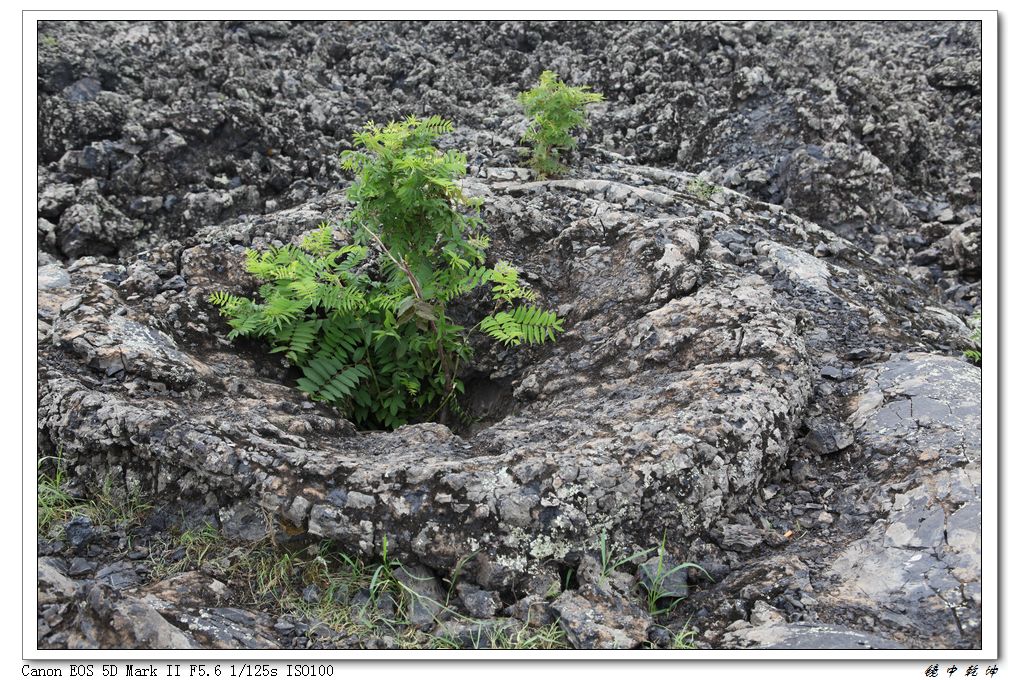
(108, 620)
(423, 595)
(827, 435)
(80, 566)
(53, 585)
(919, 559)
(535, 610)
(79, 532)
(243, 522)
(498, 632)
(593, 618)
(764, 614)
(807, 636)
(741, 537)
(481, 604)
(190, 589)
(119, 575)
(53, 276)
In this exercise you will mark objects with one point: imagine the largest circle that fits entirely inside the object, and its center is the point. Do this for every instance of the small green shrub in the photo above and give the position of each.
(975, 337)
(366, 321)
(555, 109)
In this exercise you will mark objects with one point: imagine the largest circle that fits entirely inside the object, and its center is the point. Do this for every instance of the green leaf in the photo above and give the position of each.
(366, 320)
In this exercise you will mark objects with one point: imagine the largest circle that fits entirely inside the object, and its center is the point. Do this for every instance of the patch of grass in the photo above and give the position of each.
(611, 562)
(504, 636)
(57, 506)
(384, 578)
(277, 579)
(974, 354)
(198, 543)
(110, 510)
(659, 598)
(684, 638)
(702, 188)
(451, 582)
(550, 636)
(271, 574)
(362, 600)
(269, 578)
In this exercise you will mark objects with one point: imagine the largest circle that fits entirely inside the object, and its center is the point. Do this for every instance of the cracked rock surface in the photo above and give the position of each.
(150, 131)
(681, 388)
(925, 556)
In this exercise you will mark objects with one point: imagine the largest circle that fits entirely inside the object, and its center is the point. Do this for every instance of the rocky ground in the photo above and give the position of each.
(767, 253)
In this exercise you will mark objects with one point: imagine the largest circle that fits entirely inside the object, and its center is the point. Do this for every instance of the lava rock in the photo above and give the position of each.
(79, 532)
(593, 618)
(807, 636)
(80, 567)
(481, 604)
(423, 594)
(827, 435)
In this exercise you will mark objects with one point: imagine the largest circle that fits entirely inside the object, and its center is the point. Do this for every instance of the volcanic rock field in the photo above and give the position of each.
(757, 430)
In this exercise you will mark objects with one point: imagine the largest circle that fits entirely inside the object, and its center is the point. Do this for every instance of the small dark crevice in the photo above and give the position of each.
(485, 403)
(568, 577)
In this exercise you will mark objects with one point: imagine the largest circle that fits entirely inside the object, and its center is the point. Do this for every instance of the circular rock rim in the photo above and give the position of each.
(620, 435)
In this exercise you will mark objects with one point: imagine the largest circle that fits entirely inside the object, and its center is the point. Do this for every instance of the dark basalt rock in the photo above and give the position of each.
(668, 403)
(806, 636)
(594, 618)
(872, 129)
